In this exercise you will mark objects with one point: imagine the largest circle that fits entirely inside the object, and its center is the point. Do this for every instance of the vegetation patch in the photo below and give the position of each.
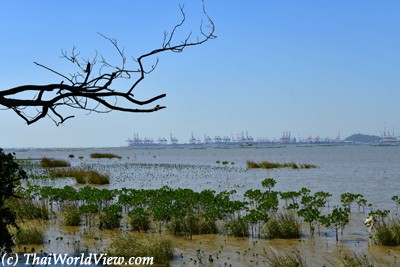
(29, 233)
(284, 225)
(53, 163)
(387, 232)
(26, 209)
(104, 156)
(285, 259)
(82, 176)
(128, 245)
(351, 258)
(275, 165)
(71, 215)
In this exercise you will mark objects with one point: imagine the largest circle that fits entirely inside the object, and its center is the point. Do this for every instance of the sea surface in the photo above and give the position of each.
(373, 171)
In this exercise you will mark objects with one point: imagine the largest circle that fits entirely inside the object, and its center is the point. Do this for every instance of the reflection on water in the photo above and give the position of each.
(371, 171)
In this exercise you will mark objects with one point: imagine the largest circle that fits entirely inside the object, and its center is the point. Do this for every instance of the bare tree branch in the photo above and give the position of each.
(97, 93)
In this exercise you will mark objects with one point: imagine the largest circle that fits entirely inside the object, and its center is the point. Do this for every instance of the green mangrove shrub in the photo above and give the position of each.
(337, 219)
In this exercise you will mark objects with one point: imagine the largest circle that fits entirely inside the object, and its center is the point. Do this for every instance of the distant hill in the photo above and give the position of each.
(363, 138)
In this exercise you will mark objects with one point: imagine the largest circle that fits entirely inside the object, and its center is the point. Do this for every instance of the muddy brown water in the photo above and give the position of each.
(368, 170)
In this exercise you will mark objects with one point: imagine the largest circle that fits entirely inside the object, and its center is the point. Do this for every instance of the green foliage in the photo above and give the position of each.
(10, 174)
(348, 198)
(127, 245)
(104, 156)
(275, 165)
(337, 219)
(53, 163)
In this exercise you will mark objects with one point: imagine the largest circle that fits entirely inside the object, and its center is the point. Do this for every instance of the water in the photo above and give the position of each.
(372, 171)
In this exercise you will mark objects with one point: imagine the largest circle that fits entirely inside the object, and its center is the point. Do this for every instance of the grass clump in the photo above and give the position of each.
(128, 245)
(285, 259)
(237, 227)
(71, 215)
(29, 233)
(139, 219)
(53, 163)
(26, 209)
(104, 156)
(82, 176)
(387, 232)
(275, 165)
(353, 259)
(110, 217)
(283, 225)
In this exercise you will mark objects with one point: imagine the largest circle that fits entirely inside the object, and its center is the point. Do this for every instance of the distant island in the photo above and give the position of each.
(363, 138)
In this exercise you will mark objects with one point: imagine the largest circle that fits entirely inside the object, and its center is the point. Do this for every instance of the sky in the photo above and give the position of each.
(314, 68)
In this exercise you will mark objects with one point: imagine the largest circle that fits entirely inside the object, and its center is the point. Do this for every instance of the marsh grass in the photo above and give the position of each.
(275, 165)
(139, 221)
(82, 176)
(104, 156)
(71, 215)
(26, 209)
(285, 258)
(110, 217)
(29, 232)
(350, 258)
(53, 163)
(283, 225)
(387, 232)
(237, 227)
(128, 245)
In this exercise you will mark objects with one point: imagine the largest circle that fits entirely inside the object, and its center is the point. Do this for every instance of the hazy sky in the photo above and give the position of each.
(309, 67)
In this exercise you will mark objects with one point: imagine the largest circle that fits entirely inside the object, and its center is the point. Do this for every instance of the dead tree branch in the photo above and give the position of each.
(91, 87)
